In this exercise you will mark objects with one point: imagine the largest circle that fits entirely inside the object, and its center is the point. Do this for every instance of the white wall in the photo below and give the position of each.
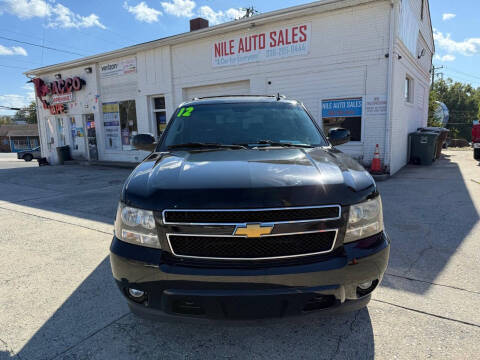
(84, 101)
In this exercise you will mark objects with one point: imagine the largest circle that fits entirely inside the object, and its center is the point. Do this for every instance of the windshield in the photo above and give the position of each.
(248, 124)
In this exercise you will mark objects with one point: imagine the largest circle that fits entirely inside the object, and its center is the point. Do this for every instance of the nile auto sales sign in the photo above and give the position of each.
(270, 45)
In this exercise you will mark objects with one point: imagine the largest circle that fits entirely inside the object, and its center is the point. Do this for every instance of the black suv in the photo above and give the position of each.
(244, 209)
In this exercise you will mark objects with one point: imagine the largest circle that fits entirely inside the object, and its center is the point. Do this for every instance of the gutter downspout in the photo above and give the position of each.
(388, 121)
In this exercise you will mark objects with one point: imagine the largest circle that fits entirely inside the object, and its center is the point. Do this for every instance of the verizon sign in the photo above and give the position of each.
(275, 44)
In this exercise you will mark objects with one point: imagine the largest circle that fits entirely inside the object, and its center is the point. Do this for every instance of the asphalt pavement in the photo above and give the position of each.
(58, 299)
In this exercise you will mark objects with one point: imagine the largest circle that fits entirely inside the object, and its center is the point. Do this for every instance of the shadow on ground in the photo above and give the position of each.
(428, 214)
(87, 192)
(74, 332)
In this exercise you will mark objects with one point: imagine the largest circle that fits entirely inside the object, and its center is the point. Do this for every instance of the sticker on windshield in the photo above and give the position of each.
(185, 112)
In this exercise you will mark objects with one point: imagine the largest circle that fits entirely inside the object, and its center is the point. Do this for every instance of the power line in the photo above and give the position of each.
(41, 46)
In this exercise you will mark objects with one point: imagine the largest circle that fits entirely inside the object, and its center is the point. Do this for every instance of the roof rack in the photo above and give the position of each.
(222, 96)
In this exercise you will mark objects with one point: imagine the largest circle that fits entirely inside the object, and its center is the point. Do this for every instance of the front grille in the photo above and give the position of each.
(242, 248)
(251, 215)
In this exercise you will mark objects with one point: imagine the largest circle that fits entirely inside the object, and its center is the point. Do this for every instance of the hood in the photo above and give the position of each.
(229, 179)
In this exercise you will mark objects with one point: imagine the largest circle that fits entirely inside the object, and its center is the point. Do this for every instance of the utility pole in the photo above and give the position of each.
(435, 68)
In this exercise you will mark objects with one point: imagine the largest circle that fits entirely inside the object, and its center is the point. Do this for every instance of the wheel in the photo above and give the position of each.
(28, 157)
(476, 154)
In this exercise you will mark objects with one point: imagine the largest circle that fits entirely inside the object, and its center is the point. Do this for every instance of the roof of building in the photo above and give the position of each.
(19, 130)
(282, 14)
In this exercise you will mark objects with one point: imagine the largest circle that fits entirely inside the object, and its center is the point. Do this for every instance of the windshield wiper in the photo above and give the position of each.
(200, 145)
(283, 144)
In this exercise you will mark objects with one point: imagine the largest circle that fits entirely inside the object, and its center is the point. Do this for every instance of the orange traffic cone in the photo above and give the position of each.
(376, 164)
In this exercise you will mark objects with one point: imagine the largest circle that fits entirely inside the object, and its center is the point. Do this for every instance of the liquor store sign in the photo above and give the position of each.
(270, 45)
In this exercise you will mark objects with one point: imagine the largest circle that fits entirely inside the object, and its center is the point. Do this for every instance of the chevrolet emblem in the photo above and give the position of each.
(253, 230)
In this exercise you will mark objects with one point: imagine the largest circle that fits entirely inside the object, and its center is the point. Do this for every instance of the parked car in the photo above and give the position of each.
(29, 155)
(245, 209)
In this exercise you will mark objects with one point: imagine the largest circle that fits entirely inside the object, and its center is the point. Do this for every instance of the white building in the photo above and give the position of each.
(360, 64)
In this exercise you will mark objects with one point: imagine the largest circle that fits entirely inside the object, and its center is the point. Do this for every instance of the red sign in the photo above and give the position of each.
(58, 87)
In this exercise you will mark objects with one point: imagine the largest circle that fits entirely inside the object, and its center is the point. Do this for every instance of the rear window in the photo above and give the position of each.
(243, 123)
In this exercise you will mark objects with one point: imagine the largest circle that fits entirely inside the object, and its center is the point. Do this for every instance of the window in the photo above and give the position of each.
(408, 95)
(244, 123)
(20, 144)
(60, 132)
(128, 122)
(344, 113)
(159, 113)
(120, 124)
(422, 9)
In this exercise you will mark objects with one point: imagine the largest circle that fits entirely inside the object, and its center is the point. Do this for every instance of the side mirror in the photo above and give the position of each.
(144, 142)
(338, 136)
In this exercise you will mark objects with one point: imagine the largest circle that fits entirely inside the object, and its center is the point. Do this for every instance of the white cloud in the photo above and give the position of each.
(26, 9)
(15, 101)
(466, 47)
(216, 17)
(180, 8)
(57, 14)
(448, 16)
(143, 12)
(444, 58)
(14, 50)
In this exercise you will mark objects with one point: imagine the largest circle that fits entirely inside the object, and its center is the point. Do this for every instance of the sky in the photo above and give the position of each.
(35, 33)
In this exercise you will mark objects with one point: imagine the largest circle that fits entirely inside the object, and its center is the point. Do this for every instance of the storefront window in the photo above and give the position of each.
(344, 113)
(120, 124)
(128, 122)
(159, 113)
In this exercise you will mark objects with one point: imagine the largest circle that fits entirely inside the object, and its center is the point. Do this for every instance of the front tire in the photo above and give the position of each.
(28, 157)
(476, 154)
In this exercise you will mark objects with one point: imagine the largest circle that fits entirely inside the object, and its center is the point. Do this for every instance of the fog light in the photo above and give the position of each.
(136, 293)
(366, 288)
(365, 285)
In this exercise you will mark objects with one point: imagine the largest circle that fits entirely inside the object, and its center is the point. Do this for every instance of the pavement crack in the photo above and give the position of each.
(10, 350)
(89, 336)
(342, 338)
(428, 314)
(56, 220)
(433, 283)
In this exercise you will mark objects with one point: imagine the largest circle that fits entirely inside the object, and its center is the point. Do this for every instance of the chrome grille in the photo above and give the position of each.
(229, 247)
(242, 216)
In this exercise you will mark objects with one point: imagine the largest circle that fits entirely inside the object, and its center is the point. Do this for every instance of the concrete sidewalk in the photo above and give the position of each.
(58, 299)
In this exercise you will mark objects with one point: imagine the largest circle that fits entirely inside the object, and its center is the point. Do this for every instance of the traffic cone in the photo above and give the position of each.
(376, 164)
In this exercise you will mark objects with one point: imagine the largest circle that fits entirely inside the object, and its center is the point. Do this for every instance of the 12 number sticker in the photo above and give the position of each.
(185, 112)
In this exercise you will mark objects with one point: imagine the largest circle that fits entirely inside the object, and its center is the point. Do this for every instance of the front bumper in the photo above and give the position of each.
(246, 293)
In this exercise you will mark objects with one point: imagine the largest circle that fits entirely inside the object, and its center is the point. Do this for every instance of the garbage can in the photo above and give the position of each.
(63, 153)
(442, 137)
(423, 147)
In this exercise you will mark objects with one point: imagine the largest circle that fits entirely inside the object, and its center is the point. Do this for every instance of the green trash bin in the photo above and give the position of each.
(423, 147)
(442, 137)
(63, 153)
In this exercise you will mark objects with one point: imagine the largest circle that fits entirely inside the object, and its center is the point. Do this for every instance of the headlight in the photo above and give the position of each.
(136, 226)
(365, 219)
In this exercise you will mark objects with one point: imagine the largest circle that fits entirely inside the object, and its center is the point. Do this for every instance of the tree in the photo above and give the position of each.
(5, 120)
(463, 102)
(28, 114)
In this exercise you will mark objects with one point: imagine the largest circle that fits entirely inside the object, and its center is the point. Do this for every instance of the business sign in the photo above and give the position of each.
(56, 89)
(270, 45)
(342, 108)
(61, 99)
(111, 126)
(118, 68)
(376, 105)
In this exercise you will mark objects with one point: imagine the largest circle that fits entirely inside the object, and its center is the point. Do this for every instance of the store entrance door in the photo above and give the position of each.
(91, 137)
(77, 141)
